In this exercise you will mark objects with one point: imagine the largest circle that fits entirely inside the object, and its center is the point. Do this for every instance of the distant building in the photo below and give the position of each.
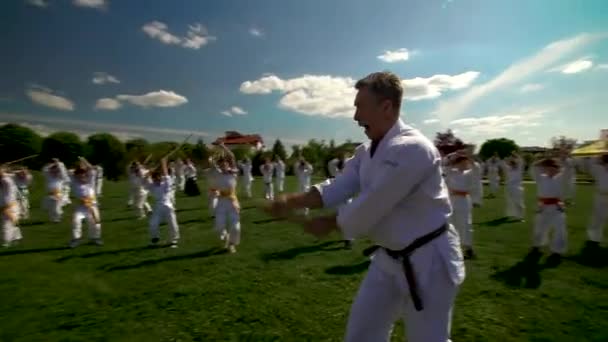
(233, 139)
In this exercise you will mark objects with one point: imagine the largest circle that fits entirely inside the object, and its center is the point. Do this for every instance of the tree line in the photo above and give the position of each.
(114, 155)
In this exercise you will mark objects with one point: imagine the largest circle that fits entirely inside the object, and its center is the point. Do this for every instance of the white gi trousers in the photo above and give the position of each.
(494, 183)
(304, 187)
(163, 213)
(81, 212)
(98, 186)
(211, 202)
(181, 182)
(142, 206)
(595, 229)
(384, 297)
(227, 221)
(280, 183)
(23, 197)
(246, 185)
(477, 193)
(10, 231)
(551, 217)
(54, 207)
(569, 187)
(461, 218)
(515, 201)
(268, 191)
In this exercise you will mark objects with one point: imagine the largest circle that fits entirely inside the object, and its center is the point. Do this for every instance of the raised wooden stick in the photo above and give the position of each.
(22, 159)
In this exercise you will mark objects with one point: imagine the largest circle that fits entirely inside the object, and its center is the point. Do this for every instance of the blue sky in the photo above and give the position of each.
(527, 70)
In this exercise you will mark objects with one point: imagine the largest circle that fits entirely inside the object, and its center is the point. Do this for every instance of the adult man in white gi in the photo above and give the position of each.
(402, 206)
(493, 165)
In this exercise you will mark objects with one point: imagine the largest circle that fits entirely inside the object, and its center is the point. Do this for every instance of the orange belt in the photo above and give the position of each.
(55, 193)
(9, 212)
(549, 201)
(230, 194)
(459, 193)
(88, 201)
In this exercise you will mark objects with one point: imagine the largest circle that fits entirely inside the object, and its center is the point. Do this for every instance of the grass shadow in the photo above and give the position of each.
(33, 250)
(187, 209)
(112, 252)
(152, 262)
(31, 223)
(269, 220)
(119, 219)
(596, 257)
(348, 269)
(525, 273)
(296, 251)
(196, 220)
(496, 222)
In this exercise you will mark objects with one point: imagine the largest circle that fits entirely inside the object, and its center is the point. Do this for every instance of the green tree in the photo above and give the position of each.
(106, 150)
(137, 149)
(503, 147)
(447, 142)
(563, 143)
(18, 142)
(279, 150)
(63, 145)
(200, 152)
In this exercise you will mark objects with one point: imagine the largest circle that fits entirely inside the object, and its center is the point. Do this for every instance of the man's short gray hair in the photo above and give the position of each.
(385, 85)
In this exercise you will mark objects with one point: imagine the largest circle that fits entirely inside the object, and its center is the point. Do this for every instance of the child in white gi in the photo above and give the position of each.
(10, 209)
(335, 167)
(492, 165)
(303, 171)
(513, 169)
(212, 193)
(23, 179)
(569, 177)
(140, 193)
(227, 213)
(550, 215)
(83, 188)
(459, 179)
(98, 180)
(56, 176)
(599, 171)
(246, 176)
(279, 167)
(267, 169)
(161, 187)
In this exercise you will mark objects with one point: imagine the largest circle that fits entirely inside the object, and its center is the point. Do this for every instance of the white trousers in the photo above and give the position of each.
(246, 185)
(142, 207)
(24, 204)
(66, 195)
(10, 230)
(164, 214)
(477, 193)
(54, 207)
(494, 184)
(211, 202)
(132, 191)
(99, 186)
(461, 218)
(515, 201)
(280, 183)
(599, 218)
(181, 182)
(227, 221)
(569, 188)
(268, 191)
(551, 217)
(383, 298)
(83, 213)
(304, 187)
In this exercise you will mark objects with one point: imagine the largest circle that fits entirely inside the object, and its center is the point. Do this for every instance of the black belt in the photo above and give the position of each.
(407, 264)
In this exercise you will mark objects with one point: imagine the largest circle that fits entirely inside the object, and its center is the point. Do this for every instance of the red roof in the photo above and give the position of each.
(235, 138)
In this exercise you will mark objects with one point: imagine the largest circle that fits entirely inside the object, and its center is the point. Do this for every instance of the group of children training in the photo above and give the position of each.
(554, 178)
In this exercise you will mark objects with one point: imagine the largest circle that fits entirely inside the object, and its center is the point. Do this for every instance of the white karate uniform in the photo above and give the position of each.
(303, 173)
(132, 178)
(266, 170)
(179, 175)
(514, 189)
(140, 193)
(477, 191)
(550, 216)
(55, 199)
(569, 178)
(460, 185)
(402, 197)
(332, 167)
(66, 186)
(227, 211)
(493, 177)
(23, 195)
(279, 168)
(246, 177)
(10, 211)
(189, 171)
(84, 192)
(99, 180)
(595, 229)
(164, 211)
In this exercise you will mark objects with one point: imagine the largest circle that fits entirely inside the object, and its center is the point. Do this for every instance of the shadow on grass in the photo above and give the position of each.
(525, 273)
(31, 223)
(294, 252)
(348, 269)
(33, 250)
(152, 262)
(112, 252)
(188, 209)
(596, 257)
(196, 220)
(496, 222)
(270, 220)
(128, 218)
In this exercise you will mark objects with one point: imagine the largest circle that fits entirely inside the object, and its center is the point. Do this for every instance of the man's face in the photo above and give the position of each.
(371, 113)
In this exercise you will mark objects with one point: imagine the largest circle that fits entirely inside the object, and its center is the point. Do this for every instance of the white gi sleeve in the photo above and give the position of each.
(345, 185)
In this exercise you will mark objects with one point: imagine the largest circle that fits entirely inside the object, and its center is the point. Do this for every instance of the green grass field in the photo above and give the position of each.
(282, 285)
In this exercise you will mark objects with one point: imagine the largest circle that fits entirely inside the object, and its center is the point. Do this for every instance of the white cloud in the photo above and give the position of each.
(38, 3)
(98, 4)
(399, 55)
(107, 104)
(161, 98)
(603, 66)
(576, 67)
(44, 96)
(430, 121)
(333, 96)
(195, 38)
(531, 87)
(103, 78)
(234, 110)
(517, 72)
(256, 32)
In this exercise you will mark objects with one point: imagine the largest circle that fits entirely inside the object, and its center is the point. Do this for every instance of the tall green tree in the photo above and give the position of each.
(503, 147)
(66, 146)
(279, 150)
(106, 150)
(137, 149)
(18, 142)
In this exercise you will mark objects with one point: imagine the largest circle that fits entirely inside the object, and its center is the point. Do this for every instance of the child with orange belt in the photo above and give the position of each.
(83, 188)
(9, 216)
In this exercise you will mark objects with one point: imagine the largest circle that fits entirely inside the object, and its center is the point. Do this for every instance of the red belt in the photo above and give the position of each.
(459, 193)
